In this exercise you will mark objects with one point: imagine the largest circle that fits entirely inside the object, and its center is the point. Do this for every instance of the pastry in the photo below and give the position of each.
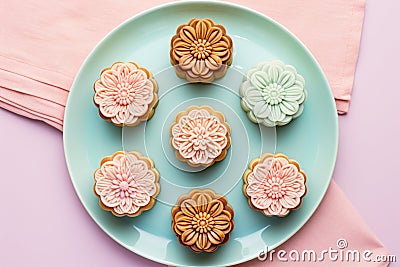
(125, 94)
(272, 93)
(126, 183)
(202, 220)
(274, 185)
(200, 136)
(201, 51)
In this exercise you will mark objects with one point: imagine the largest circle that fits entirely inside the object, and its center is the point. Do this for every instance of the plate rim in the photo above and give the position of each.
(211, 3)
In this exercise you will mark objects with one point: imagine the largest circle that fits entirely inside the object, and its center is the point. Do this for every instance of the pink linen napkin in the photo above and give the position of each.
(43, 43)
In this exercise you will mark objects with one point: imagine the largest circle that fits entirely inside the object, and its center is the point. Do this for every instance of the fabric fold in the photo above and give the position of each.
(33, 107)
(33, 88)
(26, 112)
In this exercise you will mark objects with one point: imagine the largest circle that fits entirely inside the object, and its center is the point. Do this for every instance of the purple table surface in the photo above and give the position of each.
(44, 224)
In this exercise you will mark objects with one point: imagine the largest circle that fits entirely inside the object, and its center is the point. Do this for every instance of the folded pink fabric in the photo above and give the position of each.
(43, 43)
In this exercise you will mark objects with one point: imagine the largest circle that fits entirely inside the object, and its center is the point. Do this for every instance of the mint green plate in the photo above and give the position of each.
(311, 139)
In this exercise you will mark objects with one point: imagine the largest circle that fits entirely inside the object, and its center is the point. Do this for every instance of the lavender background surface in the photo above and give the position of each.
(44, 224)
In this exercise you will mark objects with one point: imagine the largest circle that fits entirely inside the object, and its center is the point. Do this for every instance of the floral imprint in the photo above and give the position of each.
(201, 51)
(273, 93)
(126, 183)
(274, 184)
(200, 136)
(202, 220)
(125, 94)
